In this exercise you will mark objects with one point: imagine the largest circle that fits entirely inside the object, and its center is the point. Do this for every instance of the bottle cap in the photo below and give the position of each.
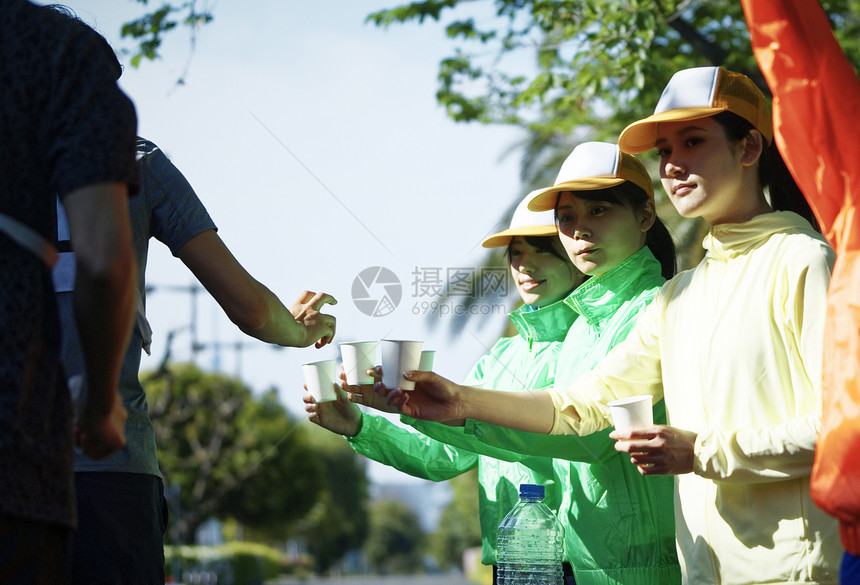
(529, 490)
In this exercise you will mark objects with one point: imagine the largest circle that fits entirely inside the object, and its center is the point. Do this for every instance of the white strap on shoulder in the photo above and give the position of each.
(29, 239)
(64, 278)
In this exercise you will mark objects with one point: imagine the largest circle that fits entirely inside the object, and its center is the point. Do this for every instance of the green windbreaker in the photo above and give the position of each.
(619, 526)
(527, 360)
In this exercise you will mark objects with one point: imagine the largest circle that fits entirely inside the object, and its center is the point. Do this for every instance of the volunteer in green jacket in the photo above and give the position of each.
(543, 276)
(621, 523)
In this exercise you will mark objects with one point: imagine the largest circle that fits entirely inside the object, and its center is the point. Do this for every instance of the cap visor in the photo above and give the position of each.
(642, 135)
(545, 199)
(504, 238)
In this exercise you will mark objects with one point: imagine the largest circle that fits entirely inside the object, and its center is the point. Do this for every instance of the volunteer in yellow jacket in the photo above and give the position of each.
(733, 346)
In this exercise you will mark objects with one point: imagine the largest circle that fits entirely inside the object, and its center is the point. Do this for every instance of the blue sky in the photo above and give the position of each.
(316, 143)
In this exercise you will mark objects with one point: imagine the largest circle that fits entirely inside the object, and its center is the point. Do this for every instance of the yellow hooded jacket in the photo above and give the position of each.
(734, 348)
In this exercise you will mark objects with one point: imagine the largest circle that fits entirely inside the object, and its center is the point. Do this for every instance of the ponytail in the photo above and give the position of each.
(659, 241)
(784, 193)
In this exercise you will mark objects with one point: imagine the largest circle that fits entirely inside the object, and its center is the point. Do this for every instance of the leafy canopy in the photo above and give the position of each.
(561, 66)
(553, 66)
(148, 30)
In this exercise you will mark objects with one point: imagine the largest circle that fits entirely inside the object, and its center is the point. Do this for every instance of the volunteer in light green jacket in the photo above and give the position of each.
(543, 276)
(622, 525)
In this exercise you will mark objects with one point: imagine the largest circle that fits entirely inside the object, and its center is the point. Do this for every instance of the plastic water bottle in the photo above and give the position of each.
(529, 545)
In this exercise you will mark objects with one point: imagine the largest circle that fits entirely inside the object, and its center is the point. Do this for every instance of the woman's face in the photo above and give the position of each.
(541, 277)
(702, 171)
(599, 235)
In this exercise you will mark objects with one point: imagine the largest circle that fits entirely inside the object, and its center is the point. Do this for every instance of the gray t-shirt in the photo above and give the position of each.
(167, 209)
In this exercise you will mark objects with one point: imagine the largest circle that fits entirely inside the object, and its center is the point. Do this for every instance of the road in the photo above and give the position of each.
(378, 580)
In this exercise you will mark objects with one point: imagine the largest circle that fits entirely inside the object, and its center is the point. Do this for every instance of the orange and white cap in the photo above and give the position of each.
(524, 223)
(592, 166)
(696, 93)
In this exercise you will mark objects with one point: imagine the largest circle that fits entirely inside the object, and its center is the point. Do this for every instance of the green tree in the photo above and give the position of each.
(231, 455)
(567, 71)
(582, 61)
(282, 449)
(338, 521)
(149, 29)
(571, 66)
(459, 526)
(394, 542)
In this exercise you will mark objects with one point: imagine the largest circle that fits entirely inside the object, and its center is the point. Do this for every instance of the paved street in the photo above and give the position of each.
(379, 580)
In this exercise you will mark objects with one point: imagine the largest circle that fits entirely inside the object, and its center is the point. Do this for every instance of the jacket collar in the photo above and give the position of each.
(729, 240)
(599, 297)
(550, 323)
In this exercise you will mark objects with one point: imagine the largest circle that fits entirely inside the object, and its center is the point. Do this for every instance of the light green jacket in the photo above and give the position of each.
(622, 524)
(524, 361)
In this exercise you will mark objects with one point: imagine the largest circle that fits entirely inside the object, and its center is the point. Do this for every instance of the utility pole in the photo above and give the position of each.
(194, 290)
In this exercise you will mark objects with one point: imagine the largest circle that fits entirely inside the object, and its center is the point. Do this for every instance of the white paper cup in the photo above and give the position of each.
(399, 356)
(425, 364)
(632, 413)
(357, 358)
(320, 378)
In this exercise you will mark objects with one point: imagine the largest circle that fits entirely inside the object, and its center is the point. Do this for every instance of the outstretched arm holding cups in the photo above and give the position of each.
(438, 399)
